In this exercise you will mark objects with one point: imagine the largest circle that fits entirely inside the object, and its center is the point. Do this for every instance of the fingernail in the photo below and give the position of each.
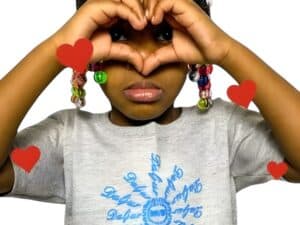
(152, 19)
(147, 13)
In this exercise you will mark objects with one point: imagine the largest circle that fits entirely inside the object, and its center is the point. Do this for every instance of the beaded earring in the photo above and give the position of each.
(79, 79)
(200, 74)
(78, 93)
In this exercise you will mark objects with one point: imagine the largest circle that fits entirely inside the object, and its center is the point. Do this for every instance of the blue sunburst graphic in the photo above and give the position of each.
(154, 209)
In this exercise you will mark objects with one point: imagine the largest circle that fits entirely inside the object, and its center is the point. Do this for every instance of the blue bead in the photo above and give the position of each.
(203, 81)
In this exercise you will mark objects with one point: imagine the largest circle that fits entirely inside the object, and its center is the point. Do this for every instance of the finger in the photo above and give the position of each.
(135, 5)
(164, 6)
(103, 40)
(190, 53)
(151, 5)
(146, 10)
(156, 13)
(104, 49)
(160, 57)
(112, 22)
(123, 52)
(103, 13)
(171, 21)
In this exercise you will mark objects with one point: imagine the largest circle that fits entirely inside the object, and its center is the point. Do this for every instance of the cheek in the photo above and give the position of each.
(116, 78)
(113, 86)
(176, 78)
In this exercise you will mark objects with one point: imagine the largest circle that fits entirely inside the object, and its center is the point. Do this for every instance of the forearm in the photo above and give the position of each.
(21, 87)
(276, 99)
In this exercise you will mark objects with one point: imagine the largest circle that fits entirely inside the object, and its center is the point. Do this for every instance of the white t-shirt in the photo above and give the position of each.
(186, 172)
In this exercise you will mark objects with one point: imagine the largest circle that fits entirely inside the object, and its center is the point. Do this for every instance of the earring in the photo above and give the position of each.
(200, 74)
(100, 76)
(78, 93)
(79, 79)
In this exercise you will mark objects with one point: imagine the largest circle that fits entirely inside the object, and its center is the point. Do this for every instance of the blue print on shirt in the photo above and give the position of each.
(154, 209)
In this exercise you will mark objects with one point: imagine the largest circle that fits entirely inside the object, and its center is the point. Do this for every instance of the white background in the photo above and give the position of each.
(268, 28)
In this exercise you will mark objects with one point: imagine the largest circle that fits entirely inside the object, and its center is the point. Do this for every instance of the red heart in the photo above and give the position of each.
(27, 158)
(243, 94)
(76, 57)
(277, 169)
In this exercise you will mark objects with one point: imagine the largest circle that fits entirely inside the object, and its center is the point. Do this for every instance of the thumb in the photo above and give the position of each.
(160, 57)
(105, 49)
(126, 53)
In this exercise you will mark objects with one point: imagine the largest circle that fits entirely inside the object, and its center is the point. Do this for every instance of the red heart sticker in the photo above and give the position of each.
(26, 158)
(242, 94)
(76, 57)
(277, 170)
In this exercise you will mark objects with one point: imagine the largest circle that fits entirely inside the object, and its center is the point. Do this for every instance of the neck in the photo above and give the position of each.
(168, 116)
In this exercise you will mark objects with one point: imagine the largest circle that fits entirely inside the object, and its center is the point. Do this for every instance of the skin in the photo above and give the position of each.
(170, 78)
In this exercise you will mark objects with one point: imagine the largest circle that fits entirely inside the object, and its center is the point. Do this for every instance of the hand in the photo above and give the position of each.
(208, 43)
(91, 21)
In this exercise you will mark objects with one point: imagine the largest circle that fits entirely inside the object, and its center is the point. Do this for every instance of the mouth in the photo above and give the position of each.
(143, 91)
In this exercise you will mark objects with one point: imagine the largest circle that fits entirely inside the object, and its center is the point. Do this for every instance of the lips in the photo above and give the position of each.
(143, 85)
(143, 91)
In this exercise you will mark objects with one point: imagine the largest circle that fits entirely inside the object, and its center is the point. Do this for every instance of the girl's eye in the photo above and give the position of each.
(115, 33)
(163, 33)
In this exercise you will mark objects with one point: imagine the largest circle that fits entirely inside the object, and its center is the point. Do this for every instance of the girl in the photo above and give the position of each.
(146, 162)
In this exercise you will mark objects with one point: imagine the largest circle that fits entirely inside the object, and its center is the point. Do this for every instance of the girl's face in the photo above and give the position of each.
(170, 77)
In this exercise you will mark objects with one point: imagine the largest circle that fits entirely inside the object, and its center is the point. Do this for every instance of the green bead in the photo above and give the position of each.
(202, 104)
(100, 77)
(81, 93)
(74, 91)
(78, 92)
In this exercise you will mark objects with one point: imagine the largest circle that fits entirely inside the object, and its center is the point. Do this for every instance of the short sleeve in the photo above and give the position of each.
(45, 181)
(252, 146)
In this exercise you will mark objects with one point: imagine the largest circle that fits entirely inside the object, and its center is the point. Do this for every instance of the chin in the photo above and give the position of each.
(143, 112)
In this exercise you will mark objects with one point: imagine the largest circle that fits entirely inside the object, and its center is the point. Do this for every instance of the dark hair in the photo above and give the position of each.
(202, 3)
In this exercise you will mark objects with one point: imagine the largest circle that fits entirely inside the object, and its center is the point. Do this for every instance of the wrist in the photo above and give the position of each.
(51, 44)
(229, 48)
